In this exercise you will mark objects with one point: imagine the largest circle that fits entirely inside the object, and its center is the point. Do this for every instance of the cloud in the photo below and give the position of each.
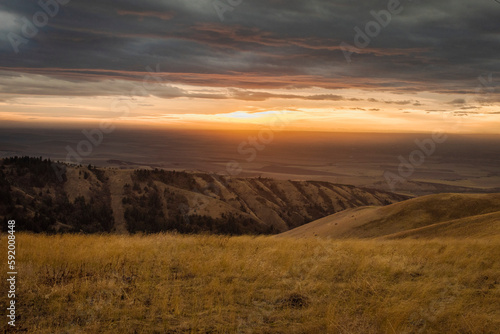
(457, 101)
(431, 46)
(146, 14)
(14, 84)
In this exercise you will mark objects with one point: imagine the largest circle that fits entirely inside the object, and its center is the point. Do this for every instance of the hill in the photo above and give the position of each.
(441, 215)
(90, 199)
(480, 226)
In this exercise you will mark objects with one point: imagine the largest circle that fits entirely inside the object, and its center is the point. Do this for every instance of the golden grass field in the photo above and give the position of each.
(170, 283)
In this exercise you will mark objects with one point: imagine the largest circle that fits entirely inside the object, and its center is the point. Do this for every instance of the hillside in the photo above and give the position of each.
(442, 215)
(90, 199)
(480, 226)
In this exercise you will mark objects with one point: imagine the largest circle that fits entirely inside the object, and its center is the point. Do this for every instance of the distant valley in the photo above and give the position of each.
(463, 163)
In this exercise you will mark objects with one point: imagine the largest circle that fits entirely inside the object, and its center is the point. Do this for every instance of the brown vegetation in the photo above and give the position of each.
(433, 216)
(213, 284)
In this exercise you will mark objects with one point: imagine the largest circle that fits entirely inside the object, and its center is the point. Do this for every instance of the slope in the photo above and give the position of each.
(89, 199)
(372, 222)
(480, 226)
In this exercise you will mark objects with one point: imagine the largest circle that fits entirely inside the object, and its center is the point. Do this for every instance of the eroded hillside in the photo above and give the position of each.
(89, 199)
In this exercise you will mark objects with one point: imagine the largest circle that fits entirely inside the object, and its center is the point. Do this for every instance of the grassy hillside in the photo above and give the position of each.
(452, 215)
(480, 226)
(90, 199)
(213, 284)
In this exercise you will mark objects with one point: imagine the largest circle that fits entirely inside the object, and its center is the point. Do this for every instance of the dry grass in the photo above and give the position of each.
(212, 284)
(461, 215)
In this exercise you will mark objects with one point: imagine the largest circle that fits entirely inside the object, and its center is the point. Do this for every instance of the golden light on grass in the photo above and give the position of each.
(169, 283)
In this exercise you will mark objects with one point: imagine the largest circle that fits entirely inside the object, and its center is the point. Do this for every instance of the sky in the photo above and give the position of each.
(316, 65)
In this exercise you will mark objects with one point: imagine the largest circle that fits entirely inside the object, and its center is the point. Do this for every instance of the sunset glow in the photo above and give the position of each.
(179, 64)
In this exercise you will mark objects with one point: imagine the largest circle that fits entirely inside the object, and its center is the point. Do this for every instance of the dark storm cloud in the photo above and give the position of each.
(438, 46)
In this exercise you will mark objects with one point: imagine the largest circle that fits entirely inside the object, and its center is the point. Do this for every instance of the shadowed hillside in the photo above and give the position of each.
(443, 215)
(89, 199)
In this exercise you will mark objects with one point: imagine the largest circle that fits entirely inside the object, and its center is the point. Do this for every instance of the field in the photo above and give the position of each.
(168, 283)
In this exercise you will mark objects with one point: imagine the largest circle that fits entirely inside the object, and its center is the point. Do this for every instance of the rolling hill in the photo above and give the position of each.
(441, 215)
(90, 199)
